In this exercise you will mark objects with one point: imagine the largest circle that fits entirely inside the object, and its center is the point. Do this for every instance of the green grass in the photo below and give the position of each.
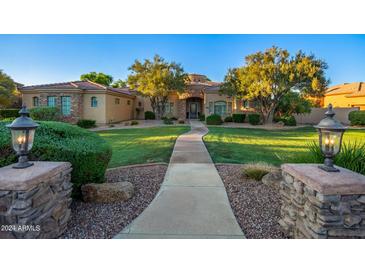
(142, 145)
(240, 145)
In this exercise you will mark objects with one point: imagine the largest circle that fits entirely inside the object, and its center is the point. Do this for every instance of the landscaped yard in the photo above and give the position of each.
(142, 145)
(233, 145)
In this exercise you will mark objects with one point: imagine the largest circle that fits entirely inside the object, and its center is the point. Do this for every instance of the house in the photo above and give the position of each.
(346, 95)
(88, 100)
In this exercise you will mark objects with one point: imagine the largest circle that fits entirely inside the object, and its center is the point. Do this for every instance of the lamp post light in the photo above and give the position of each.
(330, 138)
(22, 135)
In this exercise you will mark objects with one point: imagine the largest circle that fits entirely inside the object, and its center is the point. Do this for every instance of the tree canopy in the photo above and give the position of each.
(119, 84)
(268, 76)
(98, 77)
(157, 79)
(293, 103)
(7, 90)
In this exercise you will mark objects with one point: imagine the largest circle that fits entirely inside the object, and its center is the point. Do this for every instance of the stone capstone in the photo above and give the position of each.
(107, 192)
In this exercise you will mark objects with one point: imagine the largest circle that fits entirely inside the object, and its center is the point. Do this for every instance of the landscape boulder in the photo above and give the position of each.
(107, 192)
(272, 178)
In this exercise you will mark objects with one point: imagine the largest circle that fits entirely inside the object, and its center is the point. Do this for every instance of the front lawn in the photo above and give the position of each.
(243, 145)
(142, 145)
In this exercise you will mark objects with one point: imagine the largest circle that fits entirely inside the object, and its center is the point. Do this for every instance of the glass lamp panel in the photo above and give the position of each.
(31, 139)
(19, 139)
(331, 141)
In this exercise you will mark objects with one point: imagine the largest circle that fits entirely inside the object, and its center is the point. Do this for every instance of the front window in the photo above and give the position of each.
(128, 102)
(66, 105)
(169, 107)
(210, 107)
(35, 101)
(51, 101)
(117, 101)
(94, 102)
(229, 107)
(220, 108)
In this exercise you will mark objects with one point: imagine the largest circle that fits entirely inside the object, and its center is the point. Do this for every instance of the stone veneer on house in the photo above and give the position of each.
(35, 202)
(319, 204)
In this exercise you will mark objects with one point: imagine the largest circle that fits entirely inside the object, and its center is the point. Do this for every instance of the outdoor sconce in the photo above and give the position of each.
(330, 138)
(22, 135)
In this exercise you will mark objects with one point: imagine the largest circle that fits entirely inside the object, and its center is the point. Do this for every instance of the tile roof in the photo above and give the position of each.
(76, 85)
(351, 89)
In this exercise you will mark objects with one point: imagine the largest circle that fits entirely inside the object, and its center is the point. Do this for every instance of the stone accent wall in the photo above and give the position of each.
(314, 208)
(76, 104)
(181, 109)
(35, 202)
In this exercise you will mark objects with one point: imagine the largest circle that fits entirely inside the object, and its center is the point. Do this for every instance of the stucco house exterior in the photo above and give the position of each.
(87, 100)
(346, 95)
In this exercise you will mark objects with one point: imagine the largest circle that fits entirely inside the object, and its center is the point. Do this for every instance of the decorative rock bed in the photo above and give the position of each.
(104, 220)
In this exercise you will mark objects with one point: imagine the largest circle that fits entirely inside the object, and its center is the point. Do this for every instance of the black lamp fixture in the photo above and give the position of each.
(330, 139)
(22, 135)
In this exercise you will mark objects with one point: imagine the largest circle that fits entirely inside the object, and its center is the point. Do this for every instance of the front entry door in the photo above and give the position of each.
(193, 112)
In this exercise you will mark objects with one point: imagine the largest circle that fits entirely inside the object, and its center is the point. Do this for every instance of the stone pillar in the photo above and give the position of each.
(35, 201)
(181, 109)
(319, 204)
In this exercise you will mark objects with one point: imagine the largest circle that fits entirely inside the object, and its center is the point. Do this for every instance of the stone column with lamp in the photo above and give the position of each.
(323, 201)
(35, 197)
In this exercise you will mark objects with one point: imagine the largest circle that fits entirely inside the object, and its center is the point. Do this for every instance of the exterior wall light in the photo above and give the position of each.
(330, 139)
(22, 135)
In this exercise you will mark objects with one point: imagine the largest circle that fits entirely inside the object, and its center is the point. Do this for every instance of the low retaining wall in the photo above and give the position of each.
(319, 204)
(317, 114)
(35, 202)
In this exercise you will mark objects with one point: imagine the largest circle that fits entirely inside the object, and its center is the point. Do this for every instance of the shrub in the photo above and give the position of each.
(9, 113)
(88, 153)
(257, 170)
(45, 113)
(149, 115)
(133, 123)
(238, 117)
(86, 123)
(228, 119)
(288, 121)
(181, 121)
(254, 118)
(201, 117)
(168, 121)
(352, 156)
(214, 119)
(357, 118)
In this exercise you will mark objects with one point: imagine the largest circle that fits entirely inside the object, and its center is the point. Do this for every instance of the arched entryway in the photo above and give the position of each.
(194, 107)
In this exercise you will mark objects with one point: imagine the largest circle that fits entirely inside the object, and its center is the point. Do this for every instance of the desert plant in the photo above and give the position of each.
(45, 114)
(357, 118)
(88, 153)
(351, 156)
(149, 115)
(258, 170)
(238, 117)
(201, 117)
(134, 123)
(86, 123)
(228, 119)
(214, 119)
(254, 118)
(9, 113)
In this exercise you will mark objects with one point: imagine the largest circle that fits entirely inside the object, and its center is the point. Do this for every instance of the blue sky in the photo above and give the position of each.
(37, 59)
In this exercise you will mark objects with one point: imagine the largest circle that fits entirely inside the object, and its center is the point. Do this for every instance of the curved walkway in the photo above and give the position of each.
(192, 201)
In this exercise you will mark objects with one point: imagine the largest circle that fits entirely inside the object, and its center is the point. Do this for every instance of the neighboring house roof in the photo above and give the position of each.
(76, 85)
(355, 89)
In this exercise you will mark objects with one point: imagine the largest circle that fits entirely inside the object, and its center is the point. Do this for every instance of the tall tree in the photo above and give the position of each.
(157, 79)
(7, 90)
(268, 76)
(293, 103)
(98, 77)
(119, 84)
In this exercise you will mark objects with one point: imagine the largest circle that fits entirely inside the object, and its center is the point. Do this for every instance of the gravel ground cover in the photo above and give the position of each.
(94, 221)
(255, 205)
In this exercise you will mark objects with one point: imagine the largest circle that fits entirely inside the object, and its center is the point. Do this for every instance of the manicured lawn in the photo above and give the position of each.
(238, 145)
(142, 145)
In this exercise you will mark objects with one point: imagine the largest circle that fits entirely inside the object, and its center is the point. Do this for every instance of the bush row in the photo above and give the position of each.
(9, 113)
(357, 118)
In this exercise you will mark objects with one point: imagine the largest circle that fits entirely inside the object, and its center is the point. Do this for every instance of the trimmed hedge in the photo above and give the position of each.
(45, 114)
(9, 113)
(149, 115)
(214, 119)
(357, 118)
(168, 121)
(289, 121)
(228, 119)
(238, 117)
(134, 123)
(202, 117)
(86, 123)
(88, 153)
(254, 118)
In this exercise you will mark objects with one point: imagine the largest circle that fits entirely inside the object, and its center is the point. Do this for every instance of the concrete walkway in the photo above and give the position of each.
(192, 201)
